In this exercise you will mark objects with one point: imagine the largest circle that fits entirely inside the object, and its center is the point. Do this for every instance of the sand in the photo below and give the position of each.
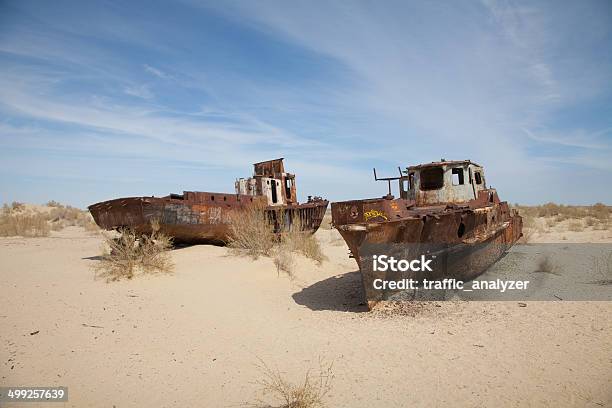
(193, 338)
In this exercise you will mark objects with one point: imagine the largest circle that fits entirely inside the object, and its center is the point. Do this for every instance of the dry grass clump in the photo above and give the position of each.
(24, 225)
(575, 226)
(600, 212)
(543, 218)
(603, 268)
(128, 254)
(561, 212)
(283, 259)
(305, 243)
(251, 232)
(308, 393)
(294, 240)
(546, 265)
(65, 216)
(34, 221)
(17, 206)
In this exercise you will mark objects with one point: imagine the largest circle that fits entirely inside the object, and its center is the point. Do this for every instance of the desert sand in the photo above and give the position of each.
(193, 338)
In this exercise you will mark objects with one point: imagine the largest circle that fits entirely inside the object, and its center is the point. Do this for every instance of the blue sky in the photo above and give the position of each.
(106, 99)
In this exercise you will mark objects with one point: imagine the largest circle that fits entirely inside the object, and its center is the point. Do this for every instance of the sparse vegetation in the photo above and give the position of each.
(309, 393)
(296, 240)
(128, 254)
(575, 226)
(252, 234)
(603, 268)
(552, 217)
(598, 211)
(24, 225)
(546, 265)
(283, 259)
(35, 221)
(65, 216)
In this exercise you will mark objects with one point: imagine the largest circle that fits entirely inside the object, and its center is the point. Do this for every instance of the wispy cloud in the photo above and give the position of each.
(155, 71)
(520, 87)
(139, 91)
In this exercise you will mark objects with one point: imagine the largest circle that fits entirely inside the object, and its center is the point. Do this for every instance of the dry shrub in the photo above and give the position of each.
(16, 219)
(23, 224)
(600, 211)
(603, 268)
(546, 265)
(590, 221)
(65, 216)
(563, 212)
(575, 226)
(295, 239)
(129, 254)
(309, 393)
(251, 232)
(283, 259)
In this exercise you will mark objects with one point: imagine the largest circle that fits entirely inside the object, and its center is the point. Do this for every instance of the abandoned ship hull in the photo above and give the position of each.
(462, 242)
(195, 217)
(463, 260)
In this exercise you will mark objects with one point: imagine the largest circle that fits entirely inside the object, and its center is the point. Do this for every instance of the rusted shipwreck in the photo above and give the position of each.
(205, 217)
(445, 214)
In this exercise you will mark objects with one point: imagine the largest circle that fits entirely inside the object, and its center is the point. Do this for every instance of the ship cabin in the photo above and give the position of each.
(443, 182)
(271, 181)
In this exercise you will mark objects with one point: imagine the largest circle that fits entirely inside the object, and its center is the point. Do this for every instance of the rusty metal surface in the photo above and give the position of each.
(204, 217)
(479, 229)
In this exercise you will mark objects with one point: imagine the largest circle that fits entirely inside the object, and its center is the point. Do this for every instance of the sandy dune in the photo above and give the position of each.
(192, 339)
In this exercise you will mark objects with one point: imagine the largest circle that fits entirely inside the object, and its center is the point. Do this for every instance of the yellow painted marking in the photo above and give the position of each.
(373, 214)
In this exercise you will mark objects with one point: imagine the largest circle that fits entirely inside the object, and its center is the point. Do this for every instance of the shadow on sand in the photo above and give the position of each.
(341, 292)
(93, 258)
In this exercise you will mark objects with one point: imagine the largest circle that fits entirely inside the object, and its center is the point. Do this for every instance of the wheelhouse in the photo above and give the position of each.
(442, 182)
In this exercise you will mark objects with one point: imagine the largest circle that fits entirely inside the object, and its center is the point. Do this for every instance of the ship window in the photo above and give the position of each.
(274, 197)
(477, 177)
(288, 188)
(457, 176)
(461, 230)
(432, 178)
